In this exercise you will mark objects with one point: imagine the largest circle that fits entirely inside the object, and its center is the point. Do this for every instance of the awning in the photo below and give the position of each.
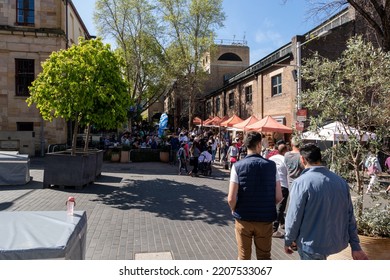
(231, 121)
(268, 124)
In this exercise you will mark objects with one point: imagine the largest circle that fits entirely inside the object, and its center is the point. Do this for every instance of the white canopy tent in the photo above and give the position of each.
(337, 132)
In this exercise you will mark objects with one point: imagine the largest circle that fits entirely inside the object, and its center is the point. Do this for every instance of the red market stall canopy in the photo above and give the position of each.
(245, 123)
(231, 121)
(212, 122)
(268, 124)
(197, 121)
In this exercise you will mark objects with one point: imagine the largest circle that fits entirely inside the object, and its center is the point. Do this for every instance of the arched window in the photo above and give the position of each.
(230, 57)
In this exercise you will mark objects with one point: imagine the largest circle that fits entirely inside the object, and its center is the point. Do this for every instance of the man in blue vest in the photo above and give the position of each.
(254, 191)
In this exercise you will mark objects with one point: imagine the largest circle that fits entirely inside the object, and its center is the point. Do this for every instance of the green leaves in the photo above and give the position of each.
(82, 83)
(354, 89)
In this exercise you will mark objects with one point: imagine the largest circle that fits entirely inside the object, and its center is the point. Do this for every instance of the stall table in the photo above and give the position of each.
(26, 235)
(14, 168)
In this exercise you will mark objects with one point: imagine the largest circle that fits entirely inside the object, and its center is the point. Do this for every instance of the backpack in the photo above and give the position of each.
(372, 169)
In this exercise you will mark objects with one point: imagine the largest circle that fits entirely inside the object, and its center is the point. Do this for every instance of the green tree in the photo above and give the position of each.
(191, 26)
(162, 42)
(354, 89)
(134, 24)
(83, 84)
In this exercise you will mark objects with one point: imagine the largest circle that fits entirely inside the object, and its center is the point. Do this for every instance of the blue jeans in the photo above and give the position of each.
(306, 256)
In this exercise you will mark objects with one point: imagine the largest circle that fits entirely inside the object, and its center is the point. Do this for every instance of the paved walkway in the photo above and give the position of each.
(144, 211)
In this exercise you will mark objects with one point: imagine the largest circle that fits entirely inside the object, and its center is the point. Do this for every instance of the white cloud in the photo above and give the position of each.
(268, 36)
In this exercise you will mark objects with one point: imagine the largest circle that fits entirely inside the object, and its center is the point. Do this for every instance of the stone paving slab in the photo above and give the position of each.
(143, 208)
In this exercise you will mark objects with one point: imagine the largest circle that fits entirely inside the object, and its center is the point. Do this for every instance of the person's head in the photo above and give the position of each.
(295, 142)
(310, 154)
(280, 142)
(282, 149)
(253, 141)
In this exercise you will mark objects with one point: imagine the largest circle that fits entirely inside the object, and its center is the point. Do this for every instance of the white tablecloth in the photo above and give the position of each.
(42, 235)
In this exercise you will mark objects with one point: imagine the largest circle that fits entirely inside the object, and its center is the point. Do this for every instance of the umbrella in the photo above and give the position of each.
(231, 121)
(268, 124)
(241, 126)
(336, 131)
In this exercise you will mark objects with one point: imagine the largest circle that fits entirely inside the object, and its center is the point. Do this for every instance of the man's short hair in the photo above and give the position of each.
(295, 142)
(282, 148)
(311, 153)
(252, 139)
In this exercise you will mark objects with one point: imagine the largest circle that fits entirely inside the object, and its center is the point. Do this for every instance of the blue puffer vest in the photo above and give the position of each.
(256, 192)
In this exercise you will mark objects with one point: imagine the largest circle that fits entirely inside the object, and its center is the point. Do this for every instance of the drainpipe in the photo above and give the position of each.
(261, 94)
(66, 25)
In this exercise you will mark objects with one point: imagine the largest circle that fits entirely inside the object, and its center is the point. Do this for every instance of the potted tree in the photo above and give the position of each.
(354, 91)
(82, 84)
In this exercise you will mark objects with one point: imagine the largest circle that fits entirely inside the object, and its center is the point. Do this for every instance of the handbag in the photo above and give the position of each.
(192, 161)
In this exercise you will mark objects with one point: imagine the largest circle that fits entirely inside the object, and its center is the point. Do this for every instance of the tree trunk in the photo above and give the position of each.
(359, 185)
(74, 139)
(86, 144)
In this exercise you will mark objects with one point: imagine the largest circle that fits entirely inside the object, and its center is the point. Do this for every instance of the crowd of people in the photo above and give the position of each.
(293, 200)
(319, 220)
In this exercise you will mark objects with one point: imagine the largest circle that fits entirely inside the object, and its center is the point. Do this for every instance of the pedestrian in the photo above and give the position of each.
(320, 213)
(254, 191)
(293, 162)
(232, 153)
(194, 156)
(283, 173)
(387, 164)
(373, 169)
(182, 158)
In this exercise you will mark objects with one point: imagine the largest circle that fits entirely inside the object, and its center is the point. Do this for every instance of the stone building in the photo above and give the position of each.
(30, 31)
(222, 62)
(270, 86)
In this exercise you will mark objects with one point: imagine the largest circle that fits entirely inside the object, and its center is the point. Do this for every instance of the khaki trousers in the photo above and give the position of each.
(260, 233)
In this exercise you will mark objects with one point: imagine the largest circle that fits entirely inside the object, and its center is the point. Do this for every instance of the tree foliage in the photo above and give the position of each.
(161, 41)
(354, 89)
(191, 26)
(136, 30)
(83, 84)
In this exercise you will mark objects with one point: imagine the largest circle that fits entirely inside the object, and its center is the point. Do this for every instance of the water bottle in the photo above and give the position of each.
(70, 203)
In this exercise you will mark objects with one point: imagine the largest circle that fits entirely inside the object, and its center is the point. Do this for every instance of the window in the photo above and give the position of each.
(24, 76)
(208, 108)
(25, 12)
(277, 85)
(248, 94)
(231, 100)
(25, 126)
(217, 105)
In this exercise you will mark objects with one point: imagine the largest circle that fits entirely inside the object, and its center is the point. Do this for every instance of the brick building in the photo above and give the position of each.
(270, 86)
(30, 31)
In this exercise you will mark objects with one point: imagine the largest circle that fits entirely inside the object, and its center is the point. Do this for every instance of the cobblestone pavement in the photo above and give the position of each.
(136, 208)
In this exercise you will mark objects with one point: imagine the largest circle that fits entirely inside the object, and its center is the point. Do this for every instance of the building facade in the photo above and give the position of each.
(30, 30)
(271, 86)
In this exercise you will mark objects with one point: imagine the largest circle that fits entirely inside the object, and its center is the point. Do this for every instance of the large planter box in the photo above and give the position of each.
(125, 156)
(144, 155)
(63, 169)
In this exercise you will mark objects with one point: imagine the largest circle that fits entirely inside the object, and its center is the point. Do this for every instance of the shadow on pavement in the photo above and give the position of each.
(169, 199)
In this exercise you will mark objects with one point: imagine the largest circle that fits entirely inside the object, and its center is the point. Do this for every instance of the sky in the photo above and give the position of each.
(266, 25)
